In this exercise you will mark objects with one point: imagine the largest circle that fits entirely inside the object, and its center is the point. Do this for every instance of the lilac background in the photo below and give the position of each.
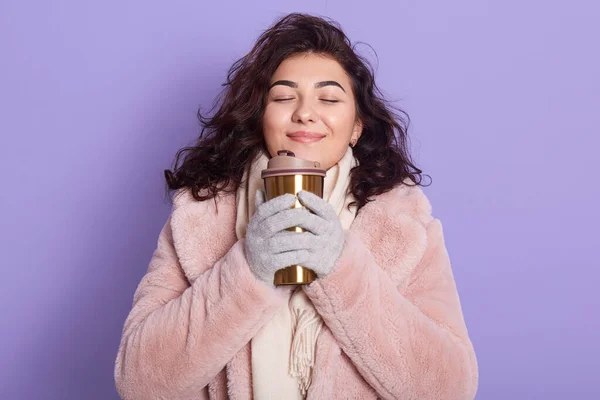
(96, 97)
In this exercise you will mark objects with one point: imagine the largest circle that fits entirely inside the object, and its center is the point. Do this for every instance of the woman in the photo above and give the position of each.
(383, 318)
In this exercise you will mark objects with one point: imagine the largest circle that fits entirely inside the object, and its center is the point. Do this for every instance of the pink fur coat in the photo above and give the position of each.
(394, 327)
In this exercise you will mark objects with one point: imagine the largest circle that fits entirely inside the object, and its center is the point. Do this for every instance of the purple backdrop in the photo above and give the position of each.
(96, 97)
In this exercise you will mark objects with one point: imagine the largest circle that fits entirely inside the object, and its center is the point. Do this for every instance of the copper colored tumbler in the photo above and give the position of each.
(287, 174)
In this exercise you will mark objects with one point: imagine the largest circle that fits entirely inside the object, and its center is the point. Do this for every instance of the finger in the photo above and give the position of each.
(290, 258)
(260, 198)
(316, 205)
(295, 241)
(274, 206)
(314, 224)
(283, 220)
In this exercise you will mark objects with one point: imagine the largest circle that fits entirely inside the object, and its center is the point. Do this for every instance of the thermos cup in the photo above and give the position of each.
(287, 174)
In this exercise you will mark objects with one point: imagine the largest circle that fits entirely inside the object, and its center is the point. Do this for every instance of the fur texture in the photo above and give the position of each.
(394, 325)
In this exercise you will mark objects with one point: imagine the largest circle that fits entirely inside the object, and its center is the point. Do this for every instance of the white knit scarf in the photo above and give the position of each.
(283, 351)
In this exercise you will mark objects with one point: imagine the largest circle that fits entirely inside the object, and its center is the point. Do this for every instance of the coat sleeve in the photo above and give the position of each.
(407, 344)
(177, 336)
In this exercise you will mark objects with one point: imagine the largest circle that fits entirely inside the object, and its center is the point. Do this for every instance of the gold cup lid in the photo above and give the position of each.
(286, 163)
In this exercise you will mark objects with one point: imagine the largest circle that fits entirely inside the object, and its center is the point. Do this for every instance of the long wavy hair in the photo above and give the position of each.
(232, 137)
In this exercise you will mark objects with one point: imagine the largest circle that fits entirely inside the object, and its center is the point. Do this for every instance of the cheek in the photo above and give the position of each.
(273, 125)
(340, 122)
(274, 119)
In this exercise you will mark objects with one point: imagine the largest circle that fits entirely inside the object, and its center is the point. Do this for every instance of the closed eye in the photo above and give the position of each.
(330, 101)
(286, 99)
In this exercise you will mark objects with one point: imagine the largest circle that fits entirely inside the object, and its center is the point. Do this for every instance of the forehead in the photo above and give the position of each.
(310, 67)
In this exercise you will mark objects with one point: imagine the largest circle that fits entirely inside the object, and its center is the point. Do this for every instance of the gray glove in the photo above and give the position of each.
(325, 239)
(269, 246)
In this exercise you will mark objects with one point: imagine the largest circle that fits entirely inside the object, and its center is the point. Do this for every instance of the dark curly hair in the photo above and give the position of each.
(232, 137)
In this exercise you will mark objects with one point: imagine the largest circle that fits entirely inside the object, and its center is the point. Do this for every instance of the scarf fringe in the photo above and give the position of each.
(306, 325)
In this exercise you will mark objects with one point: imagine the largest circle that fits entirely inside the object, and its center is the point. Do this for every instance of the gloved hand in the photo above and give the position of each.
(269, 246)
(325, 239)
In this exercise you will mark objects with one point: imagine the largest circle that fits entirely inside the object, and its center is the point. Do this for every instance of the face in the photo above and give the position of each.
(310, 110)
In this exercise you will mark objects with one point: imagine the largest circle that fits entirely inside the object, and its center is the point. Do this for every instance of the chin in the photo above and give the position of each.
(304, 152)
(313, 156)
(311, 151)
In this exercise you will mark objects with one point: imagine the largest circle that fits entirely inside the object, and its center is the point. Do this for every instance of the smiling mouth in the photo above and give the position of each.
(306, 139)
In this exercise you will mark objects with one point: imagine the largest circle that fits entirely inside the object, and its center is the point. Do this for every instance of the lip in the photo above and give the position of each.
(305, 136)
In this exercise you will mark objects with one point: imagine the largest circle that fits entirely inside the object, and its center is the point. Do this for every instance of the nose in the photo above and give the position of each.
(304, 113)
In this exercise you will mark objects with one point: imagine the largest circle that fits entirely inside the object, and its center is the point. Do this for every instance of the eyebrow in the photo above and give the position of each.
(318, 85)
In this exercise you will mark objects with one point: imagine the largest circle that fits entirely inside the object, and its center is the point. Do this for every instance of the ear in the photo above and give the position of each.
(357, 130)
